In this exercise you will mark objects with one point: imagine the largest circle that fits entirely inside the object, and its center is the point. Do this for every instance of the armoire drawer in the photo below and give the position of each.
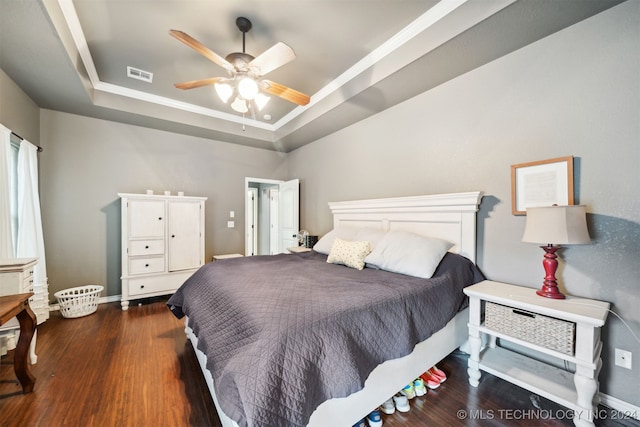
(146, 265)
(146, 247)
(167, 283)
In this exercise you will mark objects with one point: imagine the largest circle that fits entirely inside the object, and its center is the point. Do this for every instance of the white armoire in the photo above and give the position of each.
(162, 243)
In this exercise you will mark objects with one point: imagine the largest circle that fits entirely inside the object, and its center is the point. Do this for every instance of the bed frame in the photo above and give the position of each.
(448, 216)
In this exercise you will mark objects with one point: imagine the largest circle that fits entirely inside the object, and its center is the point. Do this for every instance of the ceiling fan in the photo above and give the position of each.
(246, 73)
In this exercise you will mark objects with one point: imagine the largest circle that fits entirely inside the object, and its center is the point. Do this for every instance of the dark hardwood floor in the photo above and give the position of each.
(136, 368)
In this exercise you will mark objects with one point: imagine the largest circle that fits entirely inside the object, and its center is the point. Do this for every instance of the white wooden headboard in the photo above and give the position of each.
(450, 217)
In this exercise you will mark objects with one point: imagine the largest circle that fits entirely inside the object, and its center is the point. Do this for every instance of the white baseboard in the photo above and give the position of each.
(102, 300)
(110, 298)
(626, 409)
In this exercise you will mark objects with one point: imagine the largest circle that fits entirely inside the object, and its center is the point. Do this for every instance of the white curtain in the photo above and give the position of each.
(30, 241)
(6, 241)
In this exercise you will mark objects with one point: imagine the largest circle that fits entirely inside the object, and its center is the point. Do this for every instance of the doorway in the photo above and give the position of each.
(271, 215)
(251, 204)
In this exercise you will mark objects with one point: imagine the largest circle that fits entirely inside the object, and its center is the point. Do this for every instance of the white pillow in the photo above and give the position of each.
(408, 253)
(370, 235)
(349, 253)
(323, 245)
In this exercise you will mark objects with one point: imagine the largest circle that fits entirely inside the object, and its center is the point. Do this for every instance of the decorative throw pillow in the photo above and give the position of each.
(408, 253)
(349, 253)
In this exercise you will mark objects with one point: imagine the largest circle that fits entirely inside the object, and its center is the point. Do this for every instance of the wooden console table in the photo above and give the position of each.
(18, 306)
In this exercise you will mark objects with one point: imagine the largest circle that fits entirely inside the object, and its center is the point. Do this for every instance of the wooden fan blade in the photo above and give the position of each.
(202, 49)
(284, 92)
(199, 83)
(274, 57)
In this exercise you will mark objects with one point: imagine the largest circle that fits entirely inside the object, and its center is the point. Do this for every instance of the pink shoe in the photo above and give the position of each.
(430, 380)
(438, 373)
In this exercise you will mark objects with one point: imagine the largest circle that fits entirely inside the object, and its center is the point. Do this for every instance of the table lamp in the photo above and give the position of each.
(553, 225)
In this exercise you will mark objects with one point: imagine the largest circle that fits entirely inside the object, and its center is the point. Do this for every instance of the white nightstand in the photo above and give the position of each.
(585, 317)
(298, 249)
(226, 256)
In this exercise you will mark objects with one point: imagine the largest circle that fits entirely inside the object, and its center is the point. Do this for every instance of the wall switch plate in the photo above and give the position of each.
(623, 358)
(230, 224)
(232, 214)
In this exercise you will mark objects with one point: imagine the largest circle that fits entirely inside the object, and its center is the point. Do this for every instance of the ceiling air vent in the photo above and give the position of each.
(136, 73)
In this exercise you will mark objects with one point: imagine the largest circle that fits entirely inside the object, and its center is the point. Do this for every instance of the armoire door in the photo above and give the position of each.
(184, 241)
(146, 218)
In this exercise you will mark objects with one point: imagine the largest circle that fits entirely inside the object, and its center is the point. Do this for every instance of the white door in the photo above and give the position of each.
(252, 222)
(274, 222)
(285, 215)
(289, 213)
(184, 235)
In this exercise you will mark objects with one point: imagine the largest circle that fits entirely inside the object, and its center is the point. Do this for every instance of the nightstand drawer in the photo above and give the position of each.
(547, 332)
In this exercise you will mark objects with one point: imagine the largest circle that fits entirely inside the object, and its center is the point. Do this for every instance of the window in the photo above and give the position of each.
(13, 170)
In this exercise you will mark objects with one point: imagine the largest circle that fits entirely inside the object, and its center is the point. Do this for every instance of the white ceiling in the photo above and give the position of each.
(354, 57)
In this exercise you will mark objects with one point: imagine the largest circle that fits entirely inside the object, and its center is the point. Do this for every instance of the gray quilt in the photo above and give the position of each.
(284, 333)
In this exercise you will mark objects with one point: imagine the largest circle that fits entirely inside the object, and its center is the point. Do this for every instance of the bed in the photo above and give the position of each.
(302, 347)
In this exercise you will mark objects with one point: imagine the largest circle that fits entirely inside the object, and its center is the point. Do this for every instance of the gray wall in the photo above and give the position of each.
(86, 162)
(574, 93)
(17, 111)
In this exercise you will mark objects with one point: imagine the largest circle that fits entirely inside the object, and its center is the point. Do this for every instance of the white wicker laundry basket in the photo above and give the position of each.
(79, 301)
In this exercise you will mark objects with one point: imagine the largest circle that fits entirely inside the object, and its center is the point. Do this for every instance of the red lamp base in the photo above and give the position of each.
(550, 263)
(550, 292)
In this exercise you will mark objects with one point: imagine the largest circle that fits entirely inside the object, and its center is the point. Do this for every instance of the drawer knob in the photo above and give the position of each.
(146, 265)
(173, 235)
(159, 218)
(146, 247)
(141, 286)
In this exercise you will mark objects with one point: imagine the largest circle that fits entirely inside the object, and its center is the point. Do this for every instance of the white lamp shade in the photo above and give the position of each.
(224, 91)
(561, 225)
(248, 88)
(261, 100)
(240, 105)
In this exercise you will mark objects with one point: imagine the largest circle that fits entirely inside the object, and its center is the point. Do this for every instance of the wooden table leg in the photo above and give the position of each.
(21, 357)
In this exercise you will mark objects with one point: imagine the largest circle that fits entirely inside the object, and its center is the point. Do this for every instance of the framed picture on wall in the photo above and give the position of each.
(541, 183)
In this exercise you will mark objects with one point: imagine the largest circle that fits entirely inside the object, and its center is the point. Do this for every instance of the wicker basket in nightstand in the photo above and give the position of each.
(548, 332)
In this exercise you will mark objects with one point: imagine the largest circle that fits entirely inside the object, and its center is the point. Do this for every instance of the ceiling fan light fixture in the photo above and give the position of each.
(245, 73)
(224, 91)
(261, 100)
(240, 105)
(248, 88)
